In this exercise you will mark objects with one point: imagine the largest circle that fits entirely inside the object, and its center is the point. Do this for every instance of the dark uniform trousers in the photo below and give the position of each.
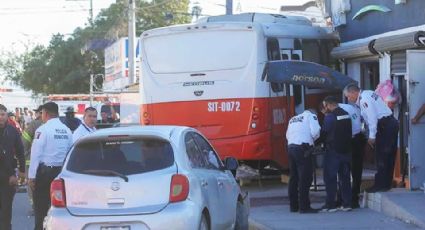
(44, 177)
(7, 194)
(358, 147)
(358, 150)
(301, 176)
(336, 165)
(386, 150)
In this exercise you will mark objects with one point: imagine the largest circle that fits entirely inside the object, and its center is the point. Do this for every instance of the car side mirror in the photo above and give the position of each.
(231, 163)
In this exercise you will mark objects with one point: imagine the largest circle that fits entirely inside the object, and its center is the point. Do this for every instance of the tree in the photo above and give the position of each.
(64, 66)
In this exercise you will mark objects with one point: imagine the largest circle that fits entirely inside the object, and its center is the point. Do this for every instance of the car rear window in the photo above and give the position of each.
(127, 157)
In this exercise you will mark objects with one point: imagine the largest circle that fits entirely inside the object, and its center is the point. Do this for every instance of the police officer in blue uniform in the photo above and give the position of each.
(383, 133)
(51, 143)
(337, 133)
(303, 130)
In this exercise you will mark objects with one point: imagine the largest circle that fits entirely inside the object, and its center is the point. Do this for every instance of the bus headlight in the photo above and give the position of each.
(253, 125)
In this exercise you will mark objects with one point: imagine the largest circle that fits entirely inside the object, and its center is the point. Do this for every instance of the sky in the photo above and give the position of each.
(36, 20)
(33, 22)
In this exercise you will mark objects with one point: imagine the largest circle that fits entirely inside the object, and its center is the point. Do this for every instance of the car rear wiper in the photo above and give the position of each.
(106, 173)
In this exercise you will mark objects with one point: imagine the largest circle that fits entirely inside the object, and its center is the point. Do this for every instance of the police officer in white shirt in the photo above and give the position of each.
(357, 151)
(383, 133)
(87, 126)
(51, 143)
(303, 130)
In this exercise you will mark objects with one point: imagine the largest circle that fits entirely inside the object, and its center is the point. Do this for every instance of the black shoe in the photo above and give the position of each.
(293, 209)
(355, 205)
(385, 189)
(309, 210)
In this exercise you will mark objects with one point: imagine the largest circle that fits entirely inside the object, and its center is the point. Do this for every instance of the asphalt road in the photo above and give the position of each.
(21, 207)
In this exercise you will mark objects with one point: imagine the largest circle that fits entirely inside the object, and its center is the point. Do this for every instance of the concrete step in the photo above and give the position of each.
(398, 203)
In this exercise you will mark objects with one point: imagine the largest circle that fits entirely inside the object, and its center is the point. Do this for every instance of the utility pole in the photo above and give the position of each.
(91, 12)
(131, 45)
(229, 7)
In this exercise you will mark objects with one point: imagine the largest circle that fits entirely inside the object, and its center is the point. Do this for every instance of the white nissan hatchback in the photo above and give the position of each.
(150, 177)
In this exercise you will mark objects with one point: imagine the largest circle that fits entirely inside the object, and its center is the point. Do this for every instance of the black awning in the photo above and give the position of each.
(305, 73)
(400, 42)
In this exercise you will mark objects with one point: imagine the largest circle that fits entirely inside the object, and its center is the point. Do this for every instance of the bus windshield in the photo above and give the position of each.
(199, 51)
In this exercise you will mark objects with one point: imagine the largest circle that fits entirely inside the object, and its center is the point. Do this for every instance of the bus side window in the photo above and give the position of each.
(273, 52)
(298, 97)
(325, 52)
(295, 57)
(311, 51)
(277, 87)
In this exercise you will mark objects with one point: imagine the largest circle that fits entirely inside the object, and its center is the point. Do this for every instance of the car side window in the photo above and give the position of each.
(208, 153)
(193, 153)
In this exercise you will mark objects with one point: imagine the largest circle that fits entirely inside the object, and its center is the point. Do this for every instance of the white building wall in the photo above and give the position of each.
(353, 70)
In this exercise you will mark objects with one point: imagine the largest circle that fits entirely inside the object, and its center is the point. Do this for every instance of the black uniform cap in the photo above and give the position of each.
(38, 109)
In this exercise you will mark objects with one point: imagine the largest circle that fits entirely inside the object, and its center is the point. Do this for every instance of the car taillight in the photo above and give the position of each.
(57, 193)
(179, 189)
(146, 118)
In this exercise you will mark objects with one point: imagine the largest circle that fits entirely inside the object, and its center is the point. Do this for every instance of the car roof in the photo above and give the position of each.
(151, 130)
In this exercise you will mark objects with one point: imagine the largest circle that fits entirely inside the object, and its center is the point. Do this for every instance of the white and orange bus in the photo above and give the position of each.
(208, 75)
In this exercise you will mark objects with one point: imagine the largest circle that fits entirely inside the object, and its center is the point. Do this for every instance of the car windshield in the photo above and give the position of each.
(126, 157)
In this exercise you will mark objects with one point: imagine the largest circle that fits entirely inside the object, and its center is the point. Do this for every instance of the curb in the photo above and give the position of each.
(254, 225)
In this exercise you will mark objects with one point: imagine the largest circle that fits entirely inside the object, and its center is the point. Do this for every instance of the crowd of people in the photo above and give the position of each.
(343, 140)
(33, 146)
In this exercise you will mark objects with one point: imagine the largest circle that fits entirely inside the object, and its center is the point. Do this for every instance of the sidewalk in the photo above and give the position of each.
(270, 210)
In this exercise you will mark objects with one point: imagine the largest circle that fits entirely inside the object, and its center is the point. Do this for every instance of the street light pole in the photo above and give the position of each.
(91, 88)
(131, 45)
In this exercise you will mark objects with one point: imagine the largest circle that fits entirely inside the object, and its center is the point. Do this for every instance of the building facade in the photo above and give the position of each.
(385, 40)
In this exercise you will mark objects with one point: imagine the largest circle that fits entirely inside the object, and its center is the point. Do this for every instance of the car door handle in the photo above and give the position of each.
(220, 183)
(204, 183)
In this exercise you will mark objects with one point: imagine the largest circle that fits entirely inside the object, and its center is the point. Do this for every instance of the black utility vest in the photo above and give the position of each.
(341, 134)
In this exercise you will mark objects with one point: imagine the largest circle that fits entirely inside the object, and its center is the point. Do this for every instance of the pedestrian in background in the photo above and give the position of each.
(10, 146)
(51, 143)
(87, 126)
(70, 120)
(13, 122)
(302, 131)
(383, 133)
(26, 117)
(337, 134)
(27, 139)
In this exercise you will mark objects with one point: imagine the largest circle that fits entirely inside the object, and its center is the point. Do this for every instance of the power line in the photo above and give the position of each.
(154, 5)
(44, 12)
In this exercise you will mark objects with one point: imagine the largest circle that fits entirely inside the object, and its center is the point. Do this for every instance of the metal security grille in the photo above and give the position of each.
(398, 62)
